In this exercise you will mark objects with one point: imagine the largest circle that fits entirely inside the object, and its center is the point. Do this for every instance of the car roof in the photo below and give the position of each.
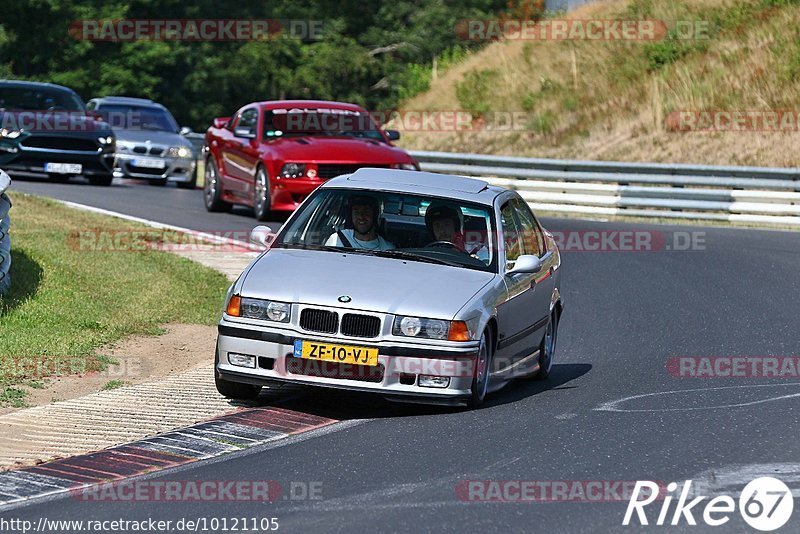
(145, 102)
(25, 83)
(312, 104)
(417, 182)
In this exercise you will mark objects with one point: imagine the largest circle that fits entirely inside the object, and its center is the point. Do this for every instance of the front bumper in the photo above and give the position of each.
(33, 160)
(396, 376)
(289, 193)
(175, 169)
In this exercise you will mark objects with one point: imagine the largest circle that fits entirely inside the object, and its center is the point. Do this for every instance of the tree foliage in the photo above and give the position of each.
(367, 54)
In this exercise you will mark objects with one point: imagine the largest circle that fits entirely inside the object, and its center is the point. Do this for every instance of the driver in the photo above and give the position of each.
(364, 214)
(446, 223)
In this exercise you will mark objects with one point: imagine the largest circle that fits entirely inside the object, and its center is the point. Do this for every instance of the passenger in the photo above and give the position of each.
(364, 214)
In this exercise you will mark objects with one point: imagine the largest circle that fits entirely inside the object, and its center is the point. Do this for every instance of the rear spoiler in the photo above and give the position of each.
(221, 122)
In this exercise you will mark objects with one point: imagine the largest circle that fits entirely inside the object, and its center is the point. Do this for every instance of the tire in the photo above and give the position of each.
(103, 179)
(261, 195)
(212, 190)
(191, 184)
(547, 349)
(236, 390)
(483, 366)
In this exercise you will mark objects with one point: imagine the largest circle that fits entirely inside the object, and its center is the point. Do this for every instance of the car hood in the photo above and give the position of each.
(338, 150)
(153, 136)
(374, 284)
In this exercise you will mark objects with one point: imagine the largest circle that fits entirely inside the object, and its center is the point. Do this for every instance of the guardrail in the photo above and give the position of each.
(5, 239)
(761, 195)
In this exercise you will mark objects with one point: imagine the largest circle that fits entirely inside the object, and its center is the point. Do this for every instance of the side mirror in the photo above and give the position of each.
(247, 133)
(393, 135)
(527, 263)
(185, 130)
(262, 235)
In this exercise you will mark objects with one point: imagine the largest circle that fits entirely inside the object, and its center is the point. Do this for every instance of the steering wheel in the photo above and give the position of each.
(440, 244)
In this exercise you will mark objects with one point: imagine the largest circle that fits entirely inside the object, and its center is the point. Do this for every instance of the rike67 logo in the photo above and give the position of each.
(765, 504)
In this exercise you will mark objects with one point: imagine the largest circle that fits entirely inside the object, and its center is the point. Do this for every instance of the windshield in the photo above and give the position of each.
(38, 99)
(127, 117)
(320, 122)
(406, 227)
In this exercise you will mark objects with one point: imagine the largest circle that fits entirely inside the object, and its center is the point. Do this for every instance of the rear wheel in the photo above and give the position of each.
(547, 349)
(236, 390)
(212, 191)
(103, 179)
(483, 367)
(261, 197)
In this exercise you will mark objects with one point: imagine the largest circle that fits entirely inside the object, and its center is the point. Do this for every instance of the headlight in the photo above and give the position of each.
(405, 166)
(10, 134)
(293, 170)
(264, 310)
(180, 152)
(430, 328)
(106, 140)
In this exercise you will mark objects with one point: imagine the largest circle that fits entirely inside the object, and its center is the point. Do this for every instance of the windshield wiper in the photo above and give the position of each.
(415, 257)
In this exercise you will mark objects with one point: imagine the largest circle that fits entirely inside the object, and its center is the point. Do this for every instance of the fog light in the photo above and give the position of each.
(242, 360)
(428, 381)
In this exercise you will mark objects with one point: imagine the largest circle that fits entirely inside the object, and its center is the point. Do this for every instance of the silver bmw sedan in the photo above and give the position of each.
(421, 287)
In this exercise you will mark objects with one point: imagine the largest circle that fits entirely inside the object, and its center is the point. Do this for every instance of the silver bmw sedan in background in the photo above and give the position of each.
(418, 286)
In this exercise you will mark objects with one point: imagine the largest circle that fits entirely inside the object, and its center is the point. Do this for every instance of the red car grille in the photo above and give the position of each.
(339, 371)
(330, 170)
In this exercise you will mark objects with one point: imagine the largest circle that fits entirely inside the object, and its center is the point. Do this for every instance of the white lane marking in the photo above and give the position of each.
(613, 406)
(731, 479)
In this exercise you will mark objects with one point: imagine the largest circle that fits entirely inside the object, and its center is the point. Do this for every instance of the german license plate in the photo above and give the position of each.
(328, 352)
(149, 163)
(63, 168)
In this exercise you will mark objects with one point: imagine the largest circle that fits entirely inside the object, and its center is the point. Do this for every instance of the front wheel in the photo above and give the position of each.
(261, 196)
(547, 349)
(212, 190)
(236, 390)
(483, 367)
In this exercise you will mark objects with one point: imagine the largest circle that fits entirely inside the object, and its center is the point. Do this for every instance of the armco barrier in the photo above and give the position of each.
(761, 195)
(5, 239)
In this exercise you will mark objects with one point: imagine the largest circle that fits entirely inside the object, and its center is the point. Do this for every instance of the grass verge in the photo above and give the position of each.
(65, 301)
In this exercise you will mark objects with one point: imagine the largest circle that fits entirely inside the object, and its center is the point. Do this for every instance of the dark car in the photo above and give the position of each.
(46, 128)
(149, 141)
(272, 155)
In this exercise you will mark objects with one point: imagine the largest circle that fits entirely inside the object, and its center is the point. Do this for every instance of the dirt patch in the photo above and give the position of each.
(140, 359)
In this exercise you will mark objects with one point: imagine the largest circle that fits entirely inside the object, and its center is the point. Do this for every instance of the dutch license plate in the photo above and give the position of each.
(149, 163)
(63, 168)
(328, 352)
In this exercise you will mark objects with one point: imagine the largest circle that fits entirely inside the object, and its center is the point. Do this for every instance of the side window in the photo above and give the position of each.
(249, 119)
(511, 234)
(91, 105)
(532, 238)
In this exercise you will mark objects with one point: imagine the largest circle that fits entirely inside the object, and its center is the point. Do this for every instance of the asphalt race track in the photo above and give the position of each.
(403, 467)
